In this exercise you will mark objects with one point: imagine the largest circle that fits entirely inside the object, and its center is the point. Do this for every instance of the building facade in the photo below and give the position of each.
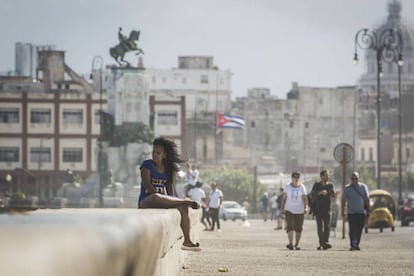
(50, 125)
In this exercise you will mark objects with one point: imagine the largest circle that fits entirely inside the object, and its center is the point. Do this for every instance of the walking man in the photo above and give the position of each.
(321, 195)
(355, 196)
(216, 199)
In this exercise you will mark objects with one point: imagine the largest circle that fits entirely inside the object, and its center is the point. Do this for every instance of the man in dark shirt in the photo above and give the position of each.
(321, 195)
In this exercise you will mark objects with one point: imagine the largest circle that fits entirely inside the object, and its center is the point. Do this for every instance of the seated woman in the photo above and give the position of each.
(157, 187)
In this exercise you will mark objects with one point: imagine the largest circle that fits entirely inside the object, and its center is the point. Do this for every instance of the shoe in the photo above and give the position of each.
(289, 246)
(327, 245)
(353, 249)
(297, 247)
(320, 248)
(357, 248)
(195, 205)
(192, 247)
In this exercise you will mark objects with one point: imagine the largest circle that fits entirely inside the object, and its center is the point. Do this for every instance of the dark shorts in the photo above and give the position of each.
(294, 222)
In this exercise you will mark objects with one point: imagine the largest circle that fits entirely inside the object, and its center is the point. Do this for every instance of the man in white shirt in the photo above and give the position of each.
(197, 194)
(216, 198)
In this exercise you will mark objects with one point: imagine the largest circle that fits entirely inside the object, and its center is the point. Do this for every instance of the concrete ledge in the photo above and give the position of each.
(90, 242)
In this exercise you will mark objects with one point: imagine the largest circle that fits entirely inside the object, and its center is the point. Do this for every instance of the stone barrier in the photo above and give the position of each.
(93, 242)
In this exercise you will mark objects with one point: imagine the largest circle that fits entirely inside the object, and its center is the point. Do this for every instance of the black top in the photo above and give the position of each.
(322, 202)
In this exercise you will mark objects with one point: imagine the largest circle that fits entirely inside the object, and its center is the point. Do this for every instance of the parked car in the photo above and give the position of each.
(232, 210)
(407, 212)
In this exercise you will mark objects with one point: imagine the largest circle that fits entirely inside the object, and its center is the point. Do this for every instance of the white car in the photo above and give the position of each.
(232, 210)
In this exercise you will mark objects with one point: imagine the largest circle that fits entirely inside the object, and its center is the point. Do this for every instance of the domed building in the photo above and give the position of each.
(389, 93)
(389, 78)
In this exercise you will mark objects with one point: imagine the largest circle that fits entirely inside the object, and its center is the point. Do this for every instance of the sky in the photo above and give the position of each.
(264, 43)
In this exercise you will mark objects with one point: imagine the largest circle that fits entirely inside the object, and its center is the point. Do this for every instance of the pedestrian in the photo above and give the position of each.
(334, 213)
(157, 186)
(189, 179)
(265, 205)
(355, 197)
(216, 199)
(197, 194)
(273, 207)
(279, 213)
(321, 195)
(294, 207)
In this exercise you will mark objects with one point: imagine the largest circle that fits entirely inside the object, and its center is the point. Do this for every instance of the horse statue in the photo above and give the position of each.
(126, 44)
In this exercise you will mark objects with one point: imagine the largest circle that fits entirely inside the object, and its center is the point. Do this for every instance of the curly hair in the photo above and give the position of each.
(172, 156)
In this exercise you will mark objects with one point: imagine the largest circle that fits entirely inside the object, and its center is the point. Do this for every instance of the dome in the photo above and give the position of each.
(389, 79)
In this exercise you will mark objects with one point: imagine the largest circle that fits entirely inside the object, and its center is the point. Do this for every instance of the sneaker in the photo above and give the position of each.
(289, 246)
(193, 247)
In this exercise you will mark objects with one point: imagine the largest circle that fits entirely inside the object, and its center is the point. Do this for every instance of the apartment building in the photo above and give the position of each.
(49, 124)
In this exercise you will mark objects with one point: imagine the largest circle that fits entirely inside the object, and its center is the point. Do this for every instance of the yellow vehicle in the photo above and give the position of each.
(382, 213)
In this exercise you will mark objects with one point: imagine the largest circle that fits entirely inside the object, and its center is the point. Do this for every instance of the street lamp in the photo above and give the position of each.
(97, 64)
(385, 43)
(400, 63)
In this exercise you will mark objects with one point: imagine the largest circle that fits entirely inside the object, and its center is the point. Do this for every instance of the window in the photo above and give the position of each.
(362, 154)
(72, 116)
(42, 116)
(167, 118)
(9, 154)
(204, 79)
(72, 155)
(9, 115)
(40, 155)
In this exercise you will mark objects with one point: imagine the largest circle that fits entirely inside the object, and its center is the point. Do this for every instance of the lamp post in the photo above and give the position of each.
(400, 63)
(385, 43)
(97, 64)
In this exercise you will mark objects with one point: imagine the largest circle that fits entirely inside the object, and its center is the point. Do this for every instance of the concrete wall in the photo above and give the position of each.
(93, 242)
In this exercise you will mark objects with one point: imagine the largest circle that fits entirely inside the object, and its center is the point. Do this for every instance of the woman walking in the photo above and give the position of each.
(294, 207)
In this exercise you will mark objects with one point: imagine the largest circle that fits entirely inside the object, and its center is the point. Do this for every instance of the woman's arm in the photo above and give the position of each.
(146, 180)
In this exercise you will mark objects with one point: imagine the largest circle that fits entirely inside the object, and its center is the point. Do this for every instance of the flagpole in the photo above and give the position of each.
(215, 132)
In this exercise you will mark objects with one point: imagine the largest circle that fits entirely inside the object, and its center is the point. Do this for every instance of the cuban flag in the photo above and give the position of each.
(229, 121)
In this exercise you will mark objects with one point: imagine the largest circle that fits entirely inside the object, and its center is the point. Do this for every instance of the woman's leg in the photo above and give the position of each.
(166, 202)
(163, 201)
(185, 225)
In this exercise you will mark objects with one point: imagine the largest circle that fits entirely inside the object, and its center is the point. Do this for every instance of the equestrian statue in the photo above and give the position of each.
(126, 44)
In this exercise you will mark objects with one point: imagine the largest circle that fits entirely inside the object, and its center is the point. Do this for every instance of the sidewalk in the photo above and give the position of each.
(259, 250)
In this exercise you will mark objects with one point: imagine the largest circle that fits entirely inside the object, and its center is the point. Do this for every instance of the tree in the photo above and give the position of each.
(236, 184)
(131, 133)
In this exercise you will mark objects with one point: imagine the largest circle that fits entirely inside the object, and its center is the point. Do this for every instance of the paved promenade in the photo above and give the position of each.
(254, 248)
